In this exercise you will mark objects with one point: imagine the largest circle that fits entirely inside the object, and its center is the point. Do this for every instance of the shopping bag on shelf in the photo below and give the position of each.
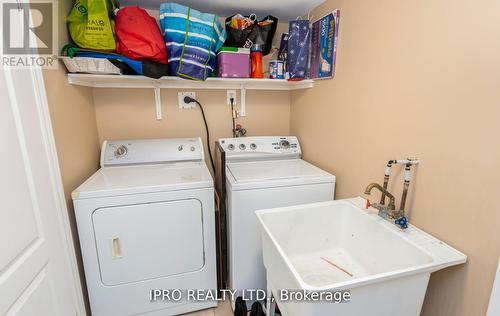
(91, 24)
(138, 36)
(192, 39)
(245, 31)
(298, 49)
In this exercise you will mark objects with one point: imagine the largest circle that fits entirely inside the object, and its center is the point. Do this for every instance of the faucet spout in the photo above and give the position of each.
(392, 201)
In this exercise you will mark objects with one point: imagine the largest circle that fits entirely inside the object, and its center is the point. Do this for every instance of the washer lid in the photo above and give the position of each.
(114, 181)
(274, 173)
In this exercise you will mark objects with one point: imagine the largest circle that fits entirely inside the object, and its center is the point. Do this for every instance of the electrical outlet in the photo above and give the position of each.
(231, 94)
(182, 104)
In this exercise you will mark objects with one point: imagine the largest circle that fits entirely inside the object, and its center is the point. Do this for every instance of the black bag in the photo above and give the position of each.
(150, 68)
(254, 34)
(257, 310)
(240, 307)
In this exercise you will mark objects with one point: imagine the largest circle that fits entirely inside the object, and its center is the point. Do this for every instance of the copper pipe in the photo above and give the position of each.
(386, 179)
(408, 162)
(406, 185)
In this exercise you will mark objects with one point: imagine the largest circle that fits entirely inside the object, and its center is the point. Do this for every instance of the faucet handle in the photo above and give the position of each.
(402, 222)
(368, 204)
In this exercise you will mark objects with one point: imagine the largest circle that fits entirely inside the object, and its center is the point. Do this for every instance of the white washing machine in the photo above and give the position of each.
(263, 172)
(146, 221)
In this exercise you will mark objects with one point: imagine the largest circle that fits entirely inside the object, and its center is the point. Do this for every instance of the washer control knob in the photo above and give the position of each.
(193, 148)
(121, 151)
(180, 148)
(243, 146)
(284, 144)
(230, 147)
(253, 146)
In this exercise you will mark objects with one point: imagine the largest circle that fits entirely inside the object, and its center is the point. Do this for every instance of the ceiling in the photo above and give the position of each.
(282, 9)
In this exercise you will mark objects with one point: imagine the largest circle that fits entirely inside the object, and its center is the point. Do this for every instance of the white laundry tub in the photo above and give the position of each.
(317, 247)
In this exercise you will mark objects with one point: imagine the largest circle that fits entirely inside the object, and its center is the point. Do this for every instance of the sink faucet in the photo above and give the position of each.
(387, 212)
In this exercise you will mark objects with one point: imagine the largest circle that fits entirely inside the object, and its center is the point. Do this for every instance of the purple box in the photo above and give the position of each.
(233, 62)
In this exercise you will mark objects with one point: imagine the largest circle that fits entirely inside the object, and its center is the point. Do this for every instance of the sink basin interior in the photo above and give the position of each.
(328, 245)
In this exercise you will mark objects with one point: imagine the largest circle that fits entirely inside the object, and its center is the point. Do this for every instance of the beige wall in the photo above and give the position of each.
(130, 113)
(75, 132)
(418, 79)
(75, 129)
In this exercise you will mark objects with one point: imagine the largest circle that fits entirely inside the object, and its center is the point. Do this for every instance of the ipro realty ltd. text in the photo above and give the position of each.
(196, 295)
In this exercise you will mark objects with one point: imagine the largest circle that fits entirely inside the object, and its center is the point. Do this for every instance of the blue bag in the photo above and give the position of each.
(192, 40)
(298, 49)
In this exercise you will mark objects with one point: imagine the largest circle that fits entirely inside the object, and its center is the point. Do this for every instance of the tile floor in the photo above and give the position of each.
(223, 309)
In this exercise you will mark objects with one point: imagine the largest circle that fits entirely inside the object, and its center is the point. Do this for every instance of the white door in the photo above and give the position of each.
(494, 307)
(38, 274)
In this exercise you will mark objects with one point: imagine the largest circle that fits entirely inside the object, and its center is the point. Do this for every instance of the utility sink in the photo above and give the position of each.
(340, 246)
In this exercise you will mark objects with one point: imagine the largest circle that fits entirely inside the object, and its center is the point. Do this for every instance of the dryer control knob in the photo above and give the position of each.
(284, 144)
(121, 151)
(243, 146)
(230, 147)
(253, 146)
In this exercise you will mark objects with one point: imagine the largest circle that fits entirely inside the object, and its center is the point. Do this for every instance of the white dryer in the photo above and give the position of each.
(146, 221)
(261, 173)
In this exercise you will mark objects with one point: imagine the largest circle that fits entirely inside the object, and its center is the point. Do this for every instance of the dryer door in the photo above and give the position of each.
(148, 241)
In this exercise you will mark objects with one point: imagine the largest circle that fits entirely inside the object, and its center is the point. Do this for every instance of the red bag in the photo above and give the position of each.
(138, 36)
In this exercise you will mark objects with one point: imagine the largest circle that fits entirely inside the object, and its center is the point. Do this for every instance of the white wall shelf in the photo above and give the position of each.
(122, 81)
(141, 82)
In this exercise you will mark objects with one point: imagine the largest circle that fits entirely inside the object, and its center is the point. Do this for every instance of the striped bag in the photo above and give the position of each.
(192, 40)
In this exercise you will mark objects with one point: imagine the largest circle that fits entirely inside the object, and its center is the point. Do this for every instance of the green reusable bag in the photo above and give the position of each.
(91, 24)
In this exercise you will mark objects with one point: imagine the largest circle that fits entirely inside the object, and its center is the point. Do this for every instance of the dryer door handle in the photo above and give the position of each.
(116, 248)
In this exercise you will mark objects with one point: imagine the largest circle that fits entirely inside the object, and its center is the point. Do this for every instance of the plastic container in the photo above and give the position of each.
(233, 62)
(256, 57)
(277, 69)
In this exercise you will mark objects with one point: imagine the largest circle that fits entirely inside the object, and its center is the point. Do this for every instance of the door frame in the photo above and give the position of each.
(57, 187)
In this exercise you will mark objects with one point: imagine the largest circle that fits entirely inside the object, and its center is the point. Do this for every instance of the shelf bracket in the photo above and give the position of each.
(243, 101)
(159, 115)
